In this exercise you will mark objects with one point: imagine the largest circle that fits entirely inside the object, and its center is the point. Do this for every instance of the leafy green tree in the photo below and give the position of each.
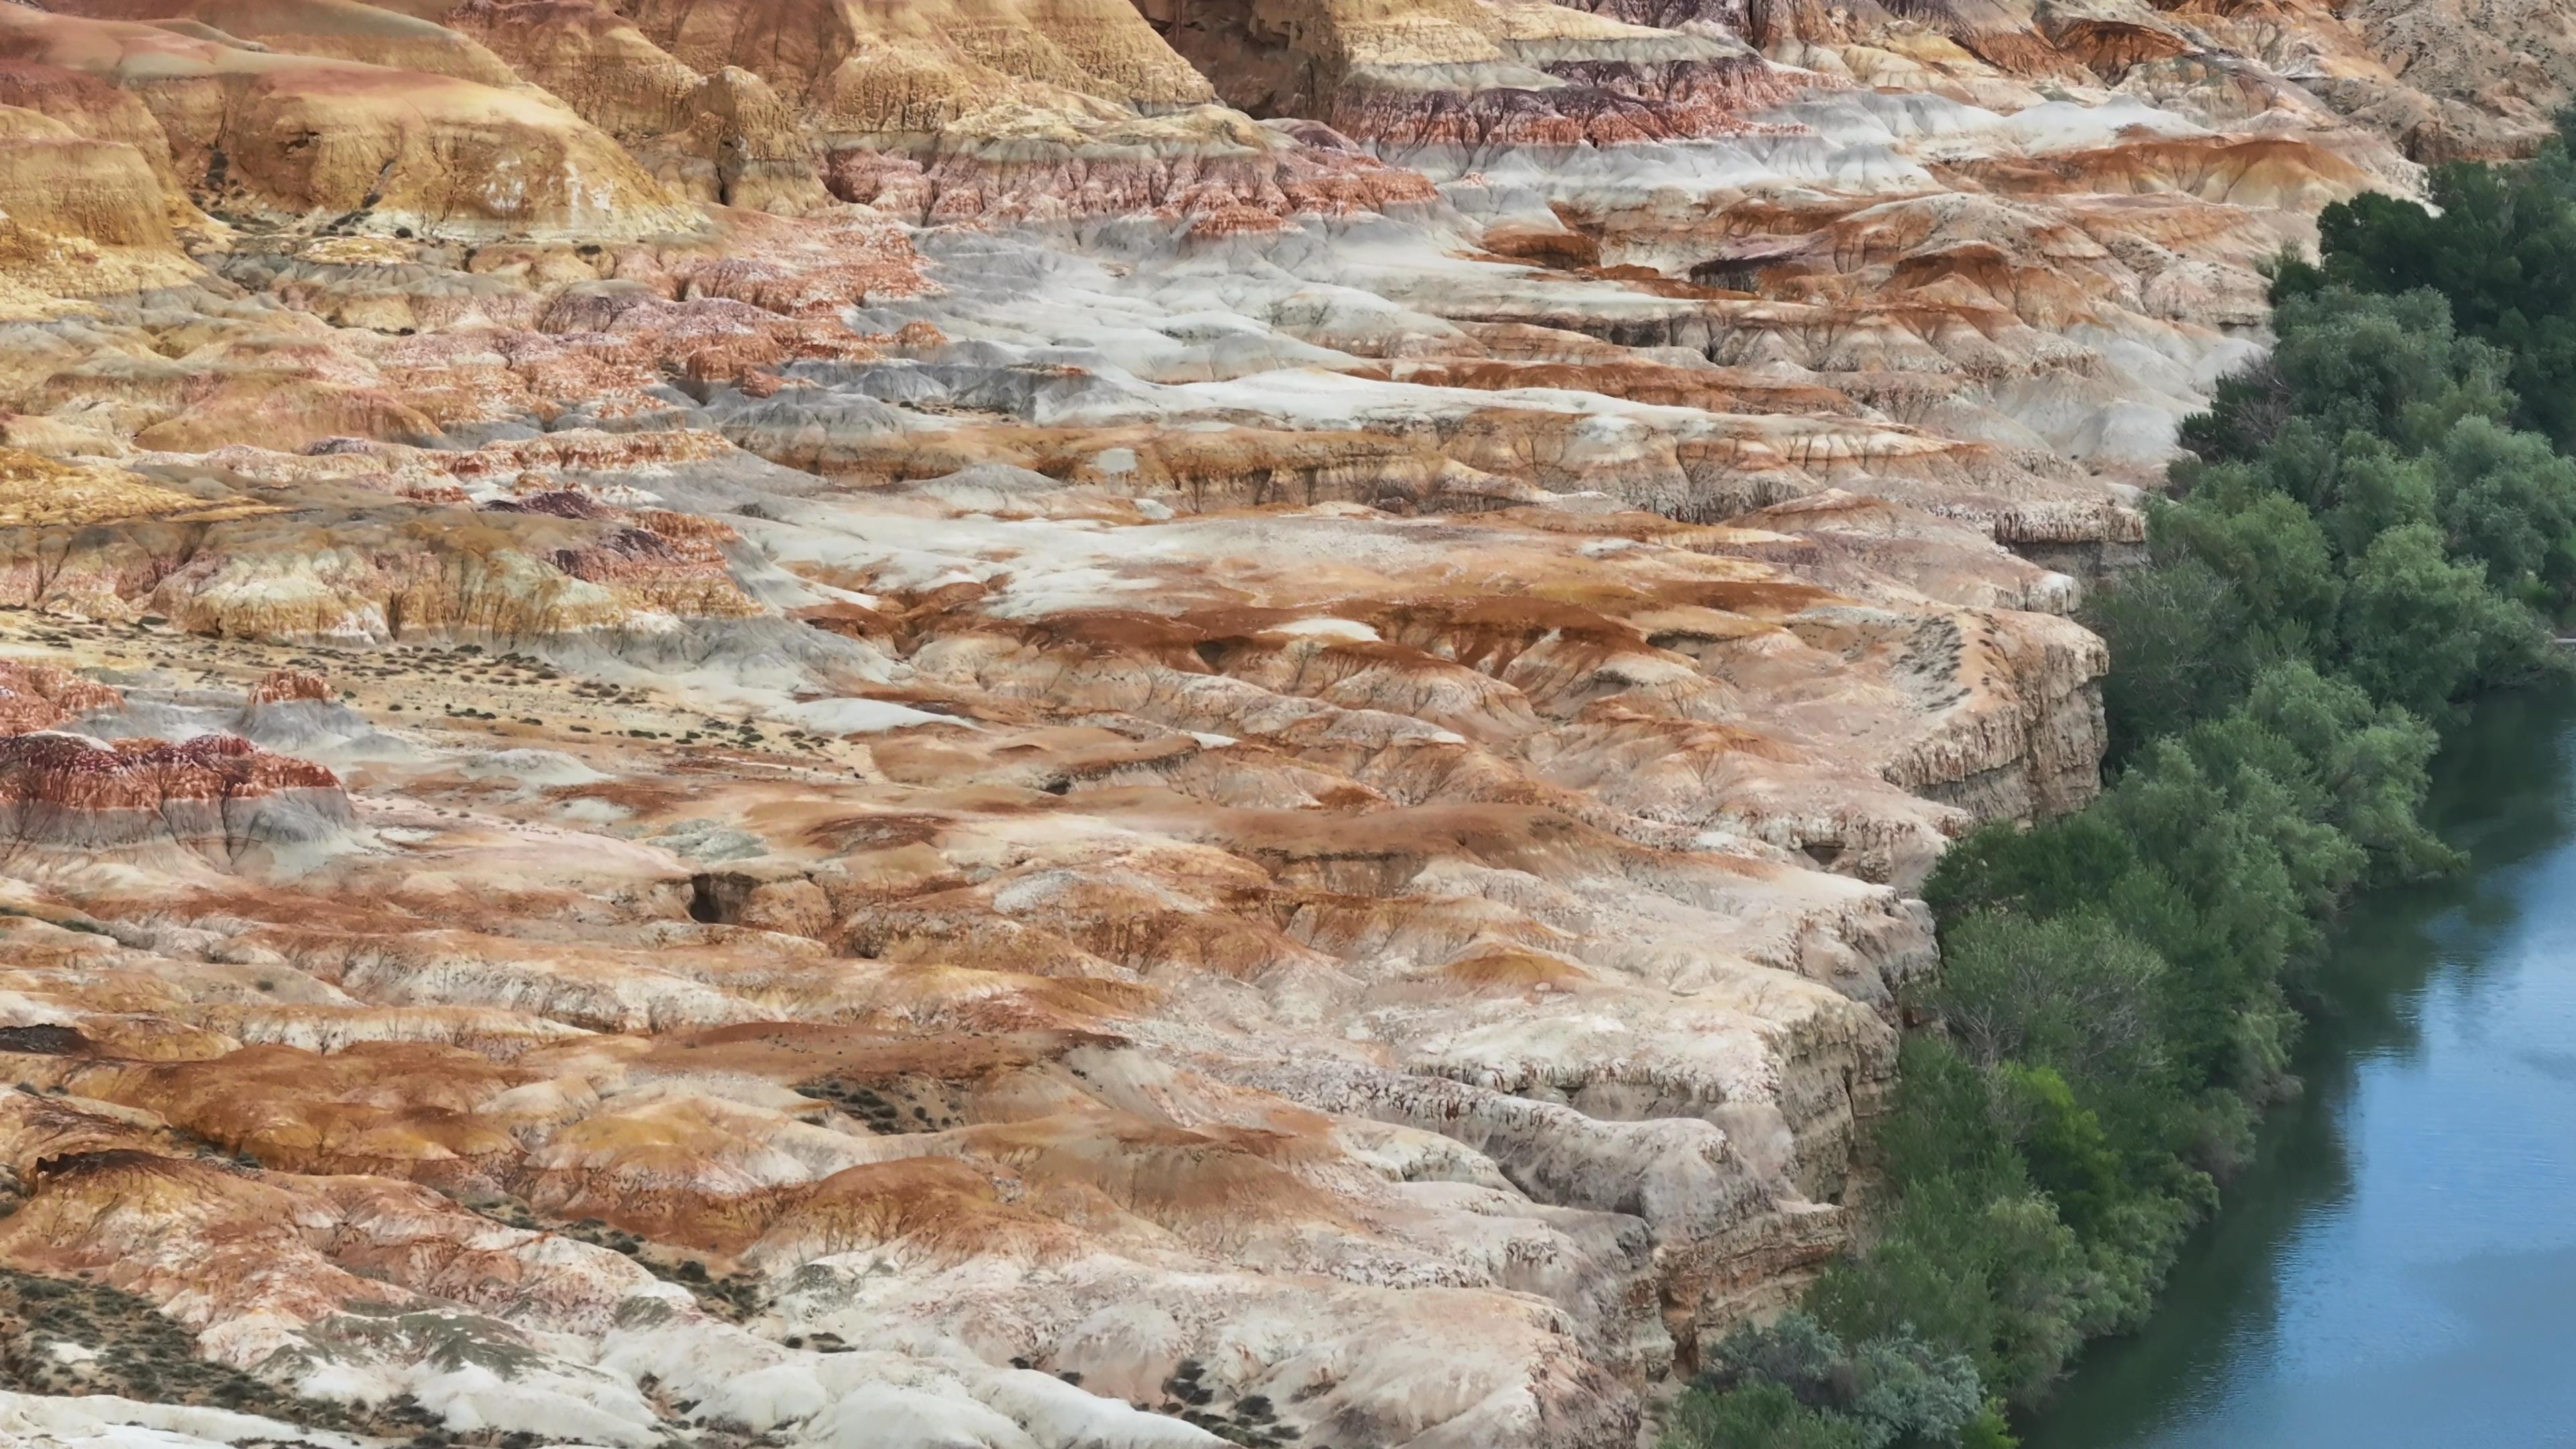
(2391, 365)
(1893, 1388)
(2057, 866)
(1943, 1120)
(2270, 549)
(2421, 631)
(2186, 643)
(2068, 1153)
(2074, 992)
(2214, 898)
(2507, 500)
(2275, 793)
(1996, 1277)
(1793, 1350)
(1989, 1430)
(2363, 767)
(1907, 1391)
(2369, 489)
(2499, 244)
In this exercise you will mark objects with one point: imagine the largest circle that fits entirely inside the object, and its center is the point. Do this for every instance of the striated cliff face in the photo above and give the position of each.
(1048, 722)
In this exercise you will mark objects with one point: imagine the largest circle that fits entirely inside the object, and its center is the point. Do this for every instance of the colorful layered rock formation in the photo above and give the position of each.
(220, 793)
(1048, 723)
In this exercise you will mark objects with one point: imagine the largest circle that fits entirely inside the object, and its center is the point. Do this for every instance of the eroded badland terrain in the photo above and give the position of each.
(1027, 723)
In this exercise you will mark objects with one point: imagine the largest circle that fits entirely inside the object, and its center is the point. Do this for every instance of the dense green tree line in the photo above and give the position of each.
(2499, 245)
(2375, 524)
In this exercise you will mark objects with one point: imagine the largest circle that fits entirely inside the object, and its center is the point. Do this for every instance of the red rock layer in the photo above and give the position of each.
(217, 793)
(284, 685)
(1219, 184)
(36, 696)
(1606, 103)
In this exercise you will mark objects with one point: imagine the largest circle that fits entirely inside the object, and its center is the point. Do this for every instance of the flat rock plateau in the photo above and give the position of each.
(915, 724)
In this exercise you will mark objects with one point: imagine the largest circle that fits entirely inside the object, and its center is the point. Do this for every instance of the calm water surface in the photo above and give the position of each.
(2397, 1270)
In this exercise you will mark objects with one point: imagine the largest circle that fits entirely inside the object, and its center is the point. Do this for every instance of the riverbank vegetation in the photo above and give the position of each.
(2376, 523)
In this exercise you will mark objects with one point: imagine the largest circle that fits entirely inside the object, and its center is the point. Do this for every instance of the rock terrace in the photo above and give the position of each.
(1047, 723)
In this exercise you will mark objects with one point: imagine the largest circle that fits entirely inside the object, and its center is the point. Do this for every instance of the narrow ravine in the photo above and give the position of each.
(2397, 1267)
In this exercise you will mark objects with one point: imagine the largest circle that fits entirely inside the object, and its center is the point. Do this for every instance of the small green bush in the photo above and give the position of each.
(1760, 1415)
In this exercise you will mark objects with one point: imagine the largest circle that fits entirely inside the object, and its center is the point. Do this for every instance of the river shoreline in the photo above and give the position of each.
(2394, 1263)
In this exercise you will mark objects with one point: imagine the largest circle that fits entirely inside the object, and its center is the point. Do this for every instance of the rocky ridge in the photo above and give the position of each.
(1050, 723)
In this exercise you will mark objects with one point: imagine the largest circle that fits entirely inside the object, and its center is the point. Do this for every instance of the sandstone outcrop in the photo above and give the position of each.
(216, 793)
(285, 132)
(1049, 722)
